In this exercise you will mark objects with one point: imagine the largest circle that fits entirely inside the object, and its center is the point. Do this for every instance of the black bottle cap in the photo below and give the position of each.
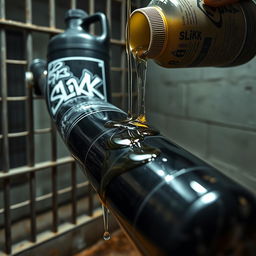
(75, 13)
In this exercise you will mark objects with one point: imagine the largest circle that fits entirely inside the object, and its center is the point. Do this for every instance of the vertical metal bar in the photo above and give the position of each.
(90, 202)
(108, 11)
(91, 6)
(91, 11)
(92, 30)
(54, 173)
(29, 91)
(30, 128)
(123, 56)
(4, 94)
(32, 195)
(4, 119)
(52, 13)
(73, 192)
(73, 4)
(54, 180)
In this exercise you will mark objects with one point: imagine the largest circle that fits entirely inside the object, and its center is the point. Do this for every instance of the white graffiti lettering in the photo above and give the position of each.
(64, 90)
(57, 71)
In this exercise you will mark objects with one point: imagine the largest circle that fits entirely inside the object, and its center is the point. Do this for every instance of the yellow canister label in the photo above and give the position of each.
(199, 35)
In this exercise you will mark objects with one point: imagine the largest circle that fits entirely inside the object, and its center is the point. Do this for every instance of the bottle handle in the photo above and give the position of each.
(101, 17)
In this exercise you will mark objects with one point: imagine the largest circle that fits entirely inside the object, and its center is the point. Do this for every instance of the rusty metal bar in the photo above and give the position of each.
(4, 94)
(17, 62)
(73, 193)
(8, 173)
(24, 98)
(7, 216)
(123, 55)
(91, 11)
(92, 30)
(31, 27)
(91, 6)
(15, 98)
(54, 199)
(43, 130)
(65, 228)
(42, 29)
(118, 42)
(109, 11)
(30, 129)
(38, 97)
(30, 111)
(47, 196)
(120, 94)
(118, 68)
(25, 133)
(52, 13)
(38, 167)
(15, 135)
(90, 201)
(54, 176)
(73, 4)
(32, 196)
(4, 119)
(54, 171)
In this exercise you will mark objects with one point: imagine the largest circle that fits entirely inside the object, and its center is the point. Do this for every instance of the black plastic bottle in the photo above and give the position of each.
(79, 59)
(175, 204)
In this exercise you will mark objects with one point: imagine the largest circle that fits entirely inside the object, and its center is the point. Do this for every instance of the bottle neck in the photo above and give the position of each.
(74, 23)
(148, 32)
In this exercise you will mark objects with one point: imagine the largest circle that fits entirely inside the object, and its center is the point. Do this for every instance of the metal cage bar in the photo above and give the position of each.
(6, 163)
(32, 168)
(73, 4)
(73, 193)
(30, 128)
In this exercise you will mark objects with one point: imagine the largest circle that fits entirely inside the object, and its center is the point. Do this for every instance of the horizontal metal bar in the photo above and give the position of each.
(25, 133)
(120, 94)
(43, 29)
(18, 62)
(15, 134)
(26, 26)
(132, 3)
(63, 229)
(121, 69)
(15, 98)
(38, 97)
(42, 131)
(24, 98)
(117, 42)
(118, 69)
(38, 167)
(121, 1)
(46, 196)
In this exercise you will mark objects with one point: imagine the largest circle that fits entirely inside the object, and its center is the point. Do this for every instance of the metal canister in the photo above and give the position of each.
(183, 33)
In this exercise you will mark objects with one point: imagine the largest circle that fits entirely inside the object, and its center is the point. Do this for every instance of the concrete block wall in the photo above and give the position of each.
(210, 112)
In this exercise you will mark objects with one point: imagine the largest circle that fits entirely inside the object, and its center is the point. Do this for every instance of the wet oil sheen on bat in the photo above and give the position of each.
(130, 132)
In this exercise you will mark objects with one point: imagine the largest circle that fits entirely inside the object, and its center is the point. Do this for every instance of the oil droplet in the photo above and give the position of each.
(106, 235)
